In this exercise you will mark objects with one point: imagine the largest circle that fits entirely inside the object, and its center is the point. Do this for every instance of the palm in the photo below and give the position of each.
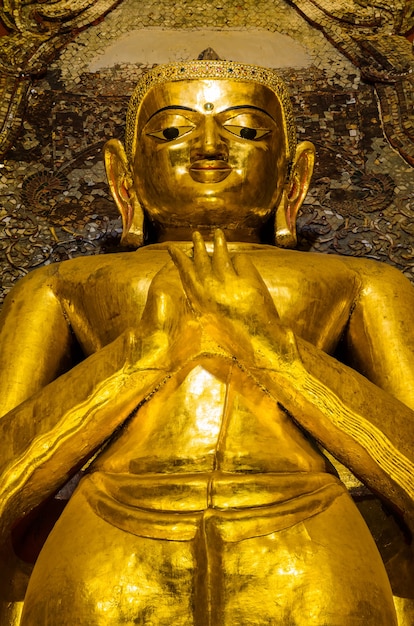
(166, 309)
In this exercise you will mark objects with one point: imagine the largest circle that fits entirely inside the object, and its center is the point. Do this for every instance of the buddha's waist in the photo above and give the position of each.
(193, 492)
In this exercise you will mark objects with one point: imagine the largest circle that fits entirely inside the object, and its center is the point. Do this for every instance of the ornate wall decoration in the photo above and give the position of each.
(371, 35)
(37, 32)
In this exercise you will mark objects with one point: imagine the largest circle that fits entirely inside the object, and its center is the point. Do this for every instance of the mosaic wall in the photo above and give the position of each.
(54, 200)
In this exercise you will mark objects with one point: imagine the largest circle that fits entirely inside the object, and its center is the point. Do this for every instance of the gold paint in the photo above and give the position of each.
(206, 388)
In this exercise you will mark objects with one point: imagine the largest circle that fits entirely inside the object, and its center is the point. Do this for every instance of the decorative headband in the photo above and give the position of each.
(193, 70)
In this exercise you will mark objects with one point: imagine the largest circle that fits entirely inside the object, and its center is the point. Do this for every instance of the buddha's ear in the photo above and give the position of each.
(121, 185)
(294, 194)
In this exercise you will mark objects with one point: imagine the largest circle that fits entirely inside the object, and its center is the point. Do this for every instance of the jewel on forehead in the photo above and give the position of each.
(209, 106)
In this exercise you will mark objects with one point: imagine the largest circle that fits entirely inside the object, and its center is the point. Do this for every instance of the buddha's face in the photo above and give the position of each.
(209, 153)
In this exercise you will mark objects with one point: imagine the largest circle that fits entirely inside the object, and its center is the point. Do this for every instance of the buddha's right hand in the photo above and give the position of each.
(232, 301)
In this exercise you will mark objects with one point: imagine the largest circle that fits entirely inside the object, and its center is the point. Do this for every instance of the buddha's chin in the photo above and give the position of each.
(199, 206)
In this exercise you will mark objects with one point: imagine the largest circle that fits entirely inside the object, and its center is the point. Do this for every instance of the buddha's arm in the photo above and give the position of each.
(58, 428)
(35, 338)
(364, 427)
(45, 438)
(381, 329)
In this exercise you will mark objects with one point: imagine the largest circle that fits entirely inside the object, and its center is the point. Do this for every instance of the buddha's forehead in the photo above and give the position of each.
(222, 94)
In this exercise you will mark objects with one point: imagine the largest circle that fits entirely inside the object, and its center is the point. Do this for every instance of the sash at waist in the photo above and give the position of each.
(171, 506)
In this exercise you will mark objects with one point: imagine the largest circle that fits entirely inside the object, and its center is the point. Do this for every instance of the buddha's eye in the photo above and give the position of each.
(245, 132)
(171, 133)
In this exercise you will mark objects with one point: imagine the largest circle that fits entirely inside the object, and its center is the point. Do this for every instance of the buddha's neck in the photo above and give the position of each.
(248, 235)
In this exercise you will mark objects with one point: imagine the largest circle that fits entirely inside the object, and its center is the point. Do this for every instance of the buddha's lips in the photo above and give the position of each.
(207, 164)
(209, 171)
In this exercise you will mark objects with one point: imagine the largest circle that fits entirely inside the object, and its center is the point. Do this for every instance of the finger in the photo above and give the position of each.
(183, 263)
(202, 261)
(245, 269)
(187, 273)
(222, 263)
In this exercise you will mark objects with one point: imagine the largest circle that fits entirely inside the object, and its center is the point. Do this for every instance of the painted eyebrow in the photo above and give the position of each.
(248, 106)
(168, 108)
(235, 108)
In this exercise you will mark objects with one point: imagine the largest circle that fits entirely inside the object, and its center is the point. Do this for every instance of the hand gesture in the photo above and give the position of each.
(167, 319)
(166, 308)
(233, 302)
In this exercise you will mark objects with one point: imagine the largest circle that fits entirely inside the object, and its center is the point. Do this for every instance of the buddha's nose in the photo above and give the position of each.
(210, 144)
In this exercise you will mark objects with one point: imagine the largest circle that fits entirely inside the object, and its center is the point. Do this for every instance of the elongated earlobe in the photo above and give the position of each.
(285, 233)
(121, 185)
(293, 195)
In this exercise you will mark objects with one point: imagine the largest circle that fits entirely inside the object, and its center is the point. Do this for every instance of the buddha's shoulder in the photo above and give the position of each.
(103, 266)
(271, 262)
(320, 265)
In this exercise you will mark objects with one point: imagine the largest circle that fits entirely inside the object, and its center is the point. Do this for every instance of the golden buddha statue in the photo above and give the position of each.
(206, 391)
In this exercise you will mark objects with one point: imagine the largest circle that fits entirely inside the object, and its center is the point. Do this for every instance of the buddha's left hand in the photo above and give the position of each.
(167, 320)
(233, 303)
(166, 309)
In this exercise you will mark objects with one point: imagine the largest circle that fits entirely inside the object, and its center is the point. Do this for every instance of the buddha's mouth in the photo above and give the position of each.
(209, 170)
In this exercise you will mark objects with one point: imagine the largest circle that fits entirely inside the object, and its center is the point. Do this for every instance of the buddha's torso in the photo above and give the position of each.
(211, 417)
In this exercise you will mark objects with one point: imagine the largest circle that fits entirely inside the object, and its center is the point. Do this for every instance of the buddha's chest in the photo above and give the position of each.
(211, 416)
(313, 295)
